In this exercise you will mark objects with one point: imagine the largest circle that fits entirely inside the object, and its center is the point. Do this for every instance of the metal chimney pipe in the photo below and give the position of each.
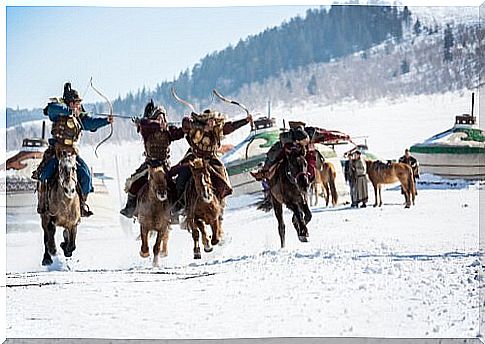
(473, 101)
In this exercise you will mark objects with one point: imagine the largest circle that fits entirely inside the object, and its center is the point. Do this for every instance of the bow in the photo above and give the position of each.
(110, 114)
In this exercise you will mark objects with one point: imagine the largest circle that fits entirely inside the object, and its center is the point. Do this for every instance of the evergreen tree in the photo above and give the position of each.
(404, 67)
(312, 86)
(417, 27)
(449, 42)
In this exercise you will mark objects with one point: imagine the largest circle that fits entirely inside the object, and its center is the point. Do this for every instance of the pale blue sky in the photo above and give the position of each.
(122, 48)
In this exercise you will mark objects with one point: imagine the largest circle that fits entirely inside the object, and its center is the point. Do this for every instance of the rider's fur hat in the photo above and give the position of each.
(152, 111)
(206, 115)
(70, 95)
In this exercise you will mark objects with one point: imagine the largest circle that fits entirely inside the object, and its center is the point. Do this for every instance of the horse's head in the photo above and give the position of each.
(202, 180)
(158, 182)
(67, 172)
(297, 167)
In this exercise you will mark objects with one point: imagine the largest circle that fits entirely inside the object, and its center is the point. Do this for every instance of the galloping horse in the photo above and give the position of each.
(153, 213)
(289, 185)
(325, 175)
(63, 207)
(381, 173)
(203, 207)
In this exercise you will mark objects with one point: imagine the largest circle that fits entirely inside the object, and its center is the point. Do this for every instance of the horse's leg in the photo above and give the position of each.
(195, 237)
(205, 238)
(218, 239)
(49, 241)
(327, 193)
(166, 232)
(72, 239)
(144, 251)
(278, 210)
(65, 244)
(376, 186)
(298, 221)
(407, 194)
(216, 232)
(380, 195)
(156, 247)
(308, 213)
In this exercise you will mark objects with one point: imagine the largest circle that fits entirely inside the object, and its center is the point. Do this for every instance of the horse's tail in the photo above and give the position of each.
(331, 181)
(320, 160)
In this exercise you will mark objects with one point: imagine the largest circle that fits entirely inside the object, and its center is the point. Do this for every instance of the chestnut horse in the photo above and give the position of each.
(289, 186)
(325, 175)
(153, 213)
(202, 207)
(63, 206)
(381, 173)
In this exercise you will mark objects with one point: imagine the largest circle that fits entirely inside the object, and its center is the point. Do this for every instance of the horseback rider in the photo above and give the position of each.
(157, 136)
(204, 133)
(299, 136)
(69, 120)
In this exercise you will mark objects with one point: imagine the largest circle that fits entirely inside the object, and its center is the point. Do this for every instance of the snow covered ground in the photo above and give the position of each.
(387, 272)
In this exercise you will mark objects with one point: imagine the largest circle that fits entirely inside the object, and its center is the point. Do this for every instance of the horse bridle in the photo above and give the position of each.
(291, 178)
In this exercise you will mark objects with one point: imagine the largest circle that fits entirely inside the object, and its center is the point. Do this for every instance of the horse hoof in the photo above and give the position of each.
(208, 248)
(197, 256)
(155, 263)
(68, 254)
(144, 254)
(214, 241)
(302, 238)
(47, 261)
(164, 254)
(407, 206)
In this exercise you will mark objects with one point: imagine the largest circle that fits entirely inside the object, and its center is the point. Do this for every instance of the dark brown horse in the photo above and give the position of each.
(289, 186)
(153, 213)
(203, 207)
(63, 207)
(381, 173)
(325, 175)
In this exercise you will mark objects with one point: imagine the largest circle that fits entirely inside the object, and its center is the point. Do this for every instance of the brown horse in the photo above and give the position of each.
(153, 213)
(203, 207)
(63, 207)
(381, 173)
(289, 186)
(325, 175)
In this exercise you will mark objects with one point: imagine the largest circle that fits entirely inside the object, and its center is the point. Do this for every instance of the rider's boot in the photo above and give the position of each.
(42, 195)
(130, 207)
(85, 211)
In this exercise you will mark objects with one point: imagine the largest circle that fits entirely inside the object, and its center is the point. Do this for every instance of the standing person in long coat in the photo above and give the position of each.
(359, 173)
(349, 177)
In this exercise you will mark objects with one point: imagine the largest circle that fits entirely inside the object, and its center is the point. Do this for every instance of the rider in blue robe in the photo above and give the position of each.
(68, 121)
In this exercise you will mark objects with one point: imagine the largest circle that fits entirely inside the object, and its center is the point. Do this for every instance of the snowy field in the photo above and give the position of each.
(386, 272)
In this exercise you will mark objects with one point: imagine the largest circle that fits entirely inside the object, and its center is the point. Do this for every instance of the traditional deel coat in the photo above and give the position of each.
(361, 194)
(204, 144)
(66, 131)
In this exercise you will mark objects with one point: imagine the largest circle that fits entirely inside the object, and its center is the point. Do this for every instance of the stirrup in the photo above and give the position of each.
(85, 211)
